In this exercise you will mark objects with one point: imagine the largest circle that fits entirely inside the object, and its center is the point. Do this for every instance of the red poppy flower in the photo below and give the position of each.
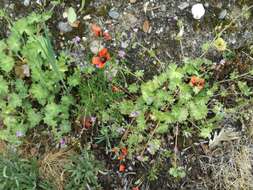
(101, 58)
(198, 82)
(97, 31)
(122, 167)
(135, 188)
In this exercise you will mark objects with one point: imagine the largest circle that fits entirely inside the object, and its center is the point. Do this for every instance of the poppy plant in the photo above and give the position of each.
(102, 57)
(198, 82)
(135, 188)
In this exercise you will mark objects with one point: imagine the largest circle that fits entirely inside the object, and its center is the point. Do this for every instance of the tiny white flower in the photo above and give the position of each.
(198, 11)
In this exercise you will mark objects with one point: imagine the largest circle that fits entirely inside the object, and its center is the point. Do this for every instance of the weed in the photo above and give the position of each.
(18, 173)
(83, 171)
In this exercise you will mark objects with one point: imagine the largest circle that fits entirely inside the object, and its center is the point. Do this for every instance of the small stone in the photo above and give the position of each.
(96, 46)
(198, 11)
(65, 15)
(64, 27)
(183, 5)
(131, 19)
(133, 1)
(113, 14)
(163, 8)
(223, 14)
(26, 3)
(87, 17)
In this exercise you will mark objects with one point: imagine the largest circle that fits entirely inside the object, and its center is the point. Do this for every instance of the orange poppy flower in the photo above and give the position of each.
(124, 151)
(135, 188)
(101, 58)
(97, 31)
(122, 167)
(198, 82)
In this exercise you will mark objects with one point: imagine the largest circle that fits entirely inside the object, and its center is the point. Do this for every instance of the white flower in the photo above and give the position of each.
(198, 11)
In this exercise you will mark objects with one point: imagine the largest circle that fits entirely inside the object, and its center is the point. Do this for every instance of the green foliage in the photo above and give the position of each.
(83, 171)
(177, 172)
(166, 101)
(18, 173)
(54, 93)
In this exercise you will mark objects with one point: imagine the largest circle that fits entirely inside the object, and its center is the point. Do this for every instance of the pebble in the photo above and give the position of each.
(95, 46)
(64, 27)
(223, 14)
(198, 11)
(132, 1)
(130, 19)
(183, 5)
(163, 8)
(113, 14)
(26, 3)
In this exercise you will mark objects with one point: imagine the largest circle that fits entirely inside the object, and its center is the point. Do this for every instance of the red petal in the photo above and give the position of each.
(124, 151)
(103, 52)
(96, 60)
(97, 31)
(101, 65)
(122, 167)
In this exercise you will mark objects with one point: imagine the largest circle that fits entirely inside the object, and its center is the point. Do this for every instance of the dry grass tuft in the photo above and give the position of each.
(52, 166)
(233, 171)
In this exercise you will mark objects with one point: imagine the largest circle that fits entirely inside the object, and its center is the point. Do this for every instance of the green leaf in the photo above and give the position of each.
(185, 93)
(51, 112)
(244, 88)
(163, 128)
(40, 93)
(205, 131)
(3, 86)
(6, 62)
(65, 127)
(198, 109)
(21, 88)
(33, 117)
(139, 73)
(126, 107)
(3, 45)
(177, 172)
(74, 79)
(71, 15)
(180, 113)
(133, 88)
(14, 100)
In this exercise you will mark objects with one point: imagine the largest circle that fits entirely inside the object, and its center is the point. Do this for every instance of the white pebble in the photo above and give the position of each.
(198, 11)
